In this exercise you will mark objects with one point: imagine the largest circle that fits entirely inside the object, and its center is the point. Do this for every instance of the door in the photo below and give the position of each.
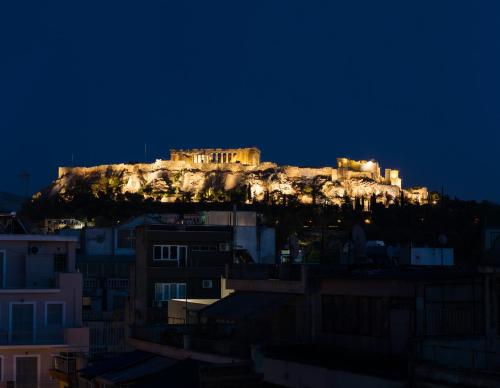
(22, 322)
(26, 372)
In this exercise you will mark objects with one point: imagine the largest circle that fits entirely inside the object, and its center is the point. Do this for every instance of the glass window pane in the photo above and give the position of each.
(182, 253)
(181, 291)
(165, 255)
(158, 292)
(173, 252)
(173, 291)
(157, 252)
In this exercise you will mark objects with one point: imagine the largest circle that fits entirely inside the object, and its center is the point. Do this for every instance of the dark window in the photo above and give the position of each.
(167, 291)
(157, 252)
(165, 253)
(22, 321)
(54, 314)
(173, 252)
(170, 252)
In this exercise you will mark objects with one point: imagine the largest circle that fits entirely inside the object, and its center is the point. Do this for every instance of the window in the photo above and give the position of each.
(206, 284)
(170, 252)
(22, 321)
(204, 248)
(167, 291)
(60, 263)
(126, 239)
(26, 368)
(54, 313)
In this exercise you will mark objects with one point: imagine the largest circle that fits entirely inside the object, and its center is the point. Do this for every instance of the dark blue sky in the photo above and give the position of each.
(415, 85)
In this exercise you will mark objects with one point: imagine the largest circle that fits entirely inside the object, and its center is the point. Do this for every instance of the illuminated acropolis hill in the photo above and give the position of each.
(212, 173)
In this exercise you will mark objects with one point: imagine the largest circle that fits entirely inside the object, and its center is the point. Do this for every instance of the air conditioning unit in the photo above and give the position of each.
(207, 283)
(224, 247)
(33, 249)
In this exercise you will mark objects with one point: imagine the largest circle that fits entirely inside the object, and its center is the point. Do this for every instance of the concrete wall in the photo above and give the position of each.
(99, 241)
(69, 292)
(25, 268)
(44, 357)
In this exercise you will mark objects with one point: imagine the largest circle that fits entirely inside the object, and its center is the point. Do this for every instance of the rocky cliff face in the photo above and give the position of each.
(169, 181)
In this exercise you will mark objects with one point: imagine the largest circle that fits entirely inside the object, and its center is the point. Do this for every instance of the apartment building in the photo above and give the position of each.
(40, 309)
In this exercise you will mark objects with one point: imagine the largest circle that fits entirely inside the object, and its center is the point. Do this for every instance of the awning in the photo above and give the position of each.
(243, 304)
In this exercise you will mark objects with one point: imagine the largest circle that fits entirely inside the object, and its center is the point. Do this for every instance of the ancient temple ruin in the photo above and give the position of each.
(247, 156)
(203, 173)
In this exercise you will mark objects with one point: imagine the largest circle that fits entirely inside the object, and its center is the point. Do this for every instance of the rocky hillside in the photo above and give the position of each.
(169, 182)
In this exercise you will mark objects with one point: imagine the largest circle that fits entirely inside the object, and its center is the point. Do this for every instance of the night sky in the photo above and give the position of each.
(415, 85)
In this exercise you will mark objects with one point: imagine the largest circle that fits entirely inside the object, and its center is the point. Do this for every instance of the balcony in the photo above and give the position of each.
(75, 337)
(66, 365)
(198, 338)
(266, 277)
(31, 284)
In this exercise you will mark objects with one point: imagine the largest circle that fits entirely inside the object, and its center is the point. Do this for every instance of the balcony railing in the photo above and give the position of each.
(32, 337)
(34, 283)
(117, 283)
(290, 272)
(200, 338)
(72, 336)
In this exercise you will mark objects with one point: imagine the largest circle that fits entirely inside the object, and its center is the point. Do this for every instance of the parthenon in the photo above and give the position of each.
(247, 156)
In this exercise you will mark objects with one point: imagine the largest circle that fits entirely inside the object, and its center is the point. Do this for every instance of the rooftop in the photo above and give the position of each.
(37, 237)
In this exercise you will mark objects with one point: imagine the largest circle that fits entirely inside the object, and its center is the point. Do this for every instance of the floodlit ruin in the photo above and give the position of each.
(219, 175)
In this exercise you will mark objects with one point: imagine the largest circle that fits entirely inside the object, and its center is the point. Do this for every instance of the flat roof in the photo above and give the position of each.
(37, 237)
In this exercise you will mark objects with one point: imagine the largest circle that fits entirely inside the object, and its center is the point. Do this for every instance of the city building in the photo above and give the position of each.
(382, 327)
(40, 309)
(176, 262)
